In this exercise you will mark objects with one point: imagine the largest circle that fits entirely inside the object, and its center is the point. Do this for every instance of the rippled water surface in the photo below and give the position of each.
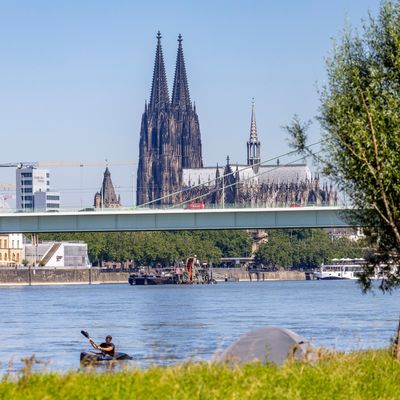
(163, 324)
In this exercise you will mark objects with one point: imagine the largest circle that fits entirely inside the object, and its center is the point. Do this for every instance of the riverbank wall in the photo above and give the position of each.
(82, 276)
(59, 276)
(242, 274)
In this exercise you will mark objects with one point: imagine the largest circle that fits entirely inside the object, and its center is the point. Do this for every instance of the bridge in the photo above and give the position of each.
(139, 219)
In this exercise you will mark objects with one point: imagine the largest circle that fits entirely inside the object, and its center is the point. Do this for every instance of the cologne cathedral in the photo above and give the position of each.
(170, 169)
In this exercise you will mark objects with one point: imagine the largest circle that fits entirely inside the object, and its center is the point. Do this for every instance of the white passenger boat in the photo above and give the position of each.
(341, 268)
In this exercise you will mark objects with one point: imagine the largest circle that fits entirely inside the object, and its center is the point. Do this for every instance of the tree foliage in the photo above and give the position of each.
(277, 252)
(149, 248)
(304, 248)
(231, 243)
(360, 117)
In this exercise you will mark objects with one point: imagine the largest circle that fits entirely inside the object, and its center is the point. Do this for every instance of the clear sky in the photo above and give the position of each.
(74, 76)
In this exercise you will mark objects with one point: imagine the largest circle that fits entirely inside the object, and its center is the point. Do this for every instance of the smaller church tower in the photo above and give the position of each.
(107, 198)
(253, 145)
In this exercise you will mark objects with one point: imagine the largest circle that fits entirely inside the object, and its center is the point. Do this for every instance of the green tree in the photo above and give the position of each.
(233, 243)
(305, 248)
(277, 251)
(360, 117)
(149, 248)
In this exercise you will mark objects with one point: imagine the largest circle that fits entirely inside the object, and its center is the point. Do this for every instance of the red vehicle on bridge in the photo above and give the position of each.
(195, 206)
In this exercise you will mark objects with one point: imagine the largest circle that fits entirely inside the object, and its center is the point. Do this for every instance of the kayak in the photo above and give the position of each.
(92, 356)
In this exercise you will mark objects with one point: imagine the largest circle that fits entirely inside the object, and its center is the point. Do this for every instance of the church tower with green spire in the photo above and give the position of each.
(253, 145)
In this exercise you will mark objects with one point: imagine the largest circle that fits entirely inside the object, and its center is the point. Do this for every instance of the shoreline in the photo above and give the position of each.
(19, 284)
(2, 284)
(97, 276)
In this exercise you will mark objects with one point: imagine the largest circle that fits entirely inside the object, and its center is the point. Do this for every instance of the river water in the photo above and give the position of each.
(168, 324)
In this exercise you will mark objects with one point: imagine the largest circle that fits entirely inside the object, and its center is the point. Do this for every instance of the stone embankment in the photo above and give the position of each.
(61, 276)
(47, 276)
(243, 274)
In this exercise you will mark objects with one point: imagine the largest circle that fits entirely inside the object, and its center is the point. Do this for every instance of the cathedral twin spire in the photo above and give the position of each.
(180, 93)
(159, 98)
(170, 138)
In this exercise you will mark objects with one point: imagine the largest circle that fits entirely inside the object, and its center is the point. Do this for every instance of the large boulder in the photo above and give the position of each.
(267, 345)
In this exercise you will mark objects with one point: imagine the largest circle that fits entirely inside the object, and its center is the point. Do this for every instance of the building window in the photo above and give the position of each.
(5, 243)
(12, 244)
(47, 175)
(50, 197)
(1, 257)
(29, 182)
(26, 198)
(17, 244)
(13, 256)
(52, 205)
(17, 257)
(26, 190)
(5, 257)
(26, 174)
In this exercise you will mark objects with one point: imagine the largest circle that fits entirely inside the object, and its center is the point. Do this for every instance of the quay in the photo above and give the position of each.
(25, 276)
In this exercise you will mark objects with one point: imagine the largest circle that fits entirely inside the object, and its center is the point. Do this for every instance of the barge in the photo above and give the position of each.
(191, 273)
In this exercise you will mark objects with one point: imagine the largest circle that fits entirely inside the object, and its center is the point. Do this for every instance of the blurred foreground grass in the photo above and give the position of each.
(359, 375)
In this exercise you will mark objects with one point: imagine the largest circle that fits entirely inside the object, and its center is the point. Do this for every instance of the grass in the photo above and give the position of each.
(359, 375)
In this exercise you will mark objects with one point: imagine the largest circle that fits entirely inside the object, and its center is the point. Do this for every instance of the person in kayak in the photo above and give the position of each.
(106, 347)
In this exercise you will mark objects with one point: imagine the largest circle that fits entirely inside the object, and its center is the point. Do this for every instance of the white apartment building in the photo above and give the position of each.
(33, 190)
(57, 254)
(46, 201)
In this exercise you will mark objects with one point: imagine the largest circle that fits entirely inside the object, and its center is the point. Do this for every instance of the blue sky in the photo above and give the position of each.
(74, 76)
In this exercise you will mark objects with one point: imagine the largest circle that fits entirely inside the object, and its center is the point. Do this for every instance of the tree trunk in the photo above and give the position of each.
(396, 344)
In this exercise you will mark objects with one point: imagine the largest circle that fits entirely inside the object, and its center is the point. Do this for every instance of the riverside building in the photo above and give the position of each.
(57, 254)
(33, 190)
(11, 249)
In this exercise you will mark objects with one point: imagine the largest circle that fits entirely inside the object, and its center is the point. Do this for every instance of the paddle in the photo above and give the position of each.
(86, 334)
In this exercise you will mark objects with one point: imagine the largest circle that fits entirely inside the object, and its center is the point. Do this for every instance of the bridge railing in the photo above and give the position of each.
(8, 211)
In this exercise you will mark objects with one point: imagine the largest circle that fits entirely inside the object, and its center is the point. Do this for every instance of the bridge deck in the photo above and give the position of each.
(173, 219)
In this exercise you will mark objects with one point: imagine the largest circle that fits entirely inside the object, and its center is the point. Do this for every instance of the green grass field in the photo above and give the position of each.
(359, 375)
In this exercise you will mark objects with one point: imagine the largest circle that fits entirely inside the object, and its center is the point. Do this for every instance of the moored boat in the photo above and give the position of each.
(192, 272)
(341, 268)
(151, 280)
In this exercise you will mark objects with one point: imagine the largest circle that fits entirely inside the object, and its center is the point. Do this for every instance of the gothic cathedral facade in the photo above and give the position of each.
(169, 136)
(170, 168)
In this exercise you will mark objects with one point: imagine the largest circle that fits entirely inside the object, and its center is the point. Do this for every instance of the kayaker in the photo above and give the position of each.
(106, 347)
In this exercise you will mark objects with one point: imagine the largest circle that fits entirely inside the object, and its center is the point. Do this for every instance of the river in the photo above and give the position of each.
(168, 324)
